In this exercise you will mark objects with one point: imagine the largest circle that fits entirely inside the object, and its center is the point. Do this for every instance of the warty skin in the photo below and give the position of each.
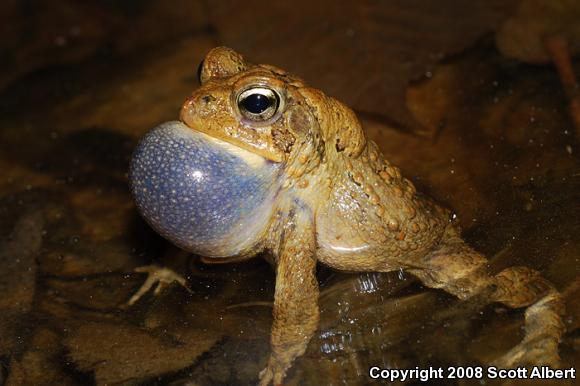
(323, 193)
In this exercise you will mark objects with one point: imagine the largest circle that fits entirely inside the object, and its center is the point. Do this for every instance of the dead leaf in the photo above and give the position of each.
(362, 52)
(119, 352)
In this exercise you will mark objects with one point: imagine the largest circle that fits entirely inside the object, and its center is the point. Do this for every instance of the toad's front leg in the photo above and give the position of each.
(295, 300)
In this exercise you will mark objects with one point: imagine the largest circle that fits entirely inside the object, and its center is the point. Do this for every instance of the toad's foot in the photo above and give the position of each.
(543, 331)
(458, 269)
(161, 277)
(273, 373)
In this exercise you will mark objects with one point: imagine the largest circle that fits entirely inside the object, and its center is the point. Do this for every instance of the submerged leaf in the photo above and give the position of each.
(122, 352)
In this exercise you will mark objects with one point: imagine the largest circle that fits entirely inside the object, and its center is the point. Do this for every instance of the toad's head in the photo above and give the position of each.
(210, 181)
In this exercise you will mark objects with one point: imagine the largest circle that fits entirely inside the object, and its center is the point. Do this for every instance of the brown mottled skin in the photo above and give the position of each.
(343, 205)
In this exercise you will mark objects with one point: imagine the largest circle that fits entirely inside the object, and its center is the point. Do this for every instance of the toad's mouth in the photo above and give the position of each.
(239, 133)
(236, 149)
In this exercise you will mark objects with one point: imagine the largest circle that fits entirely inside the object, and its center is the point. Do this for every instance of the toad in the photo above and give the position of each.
(260, 162)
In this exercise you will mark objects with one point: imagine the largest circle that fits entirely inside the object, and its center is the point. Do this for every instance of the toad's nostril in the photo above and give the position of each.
(208, 98)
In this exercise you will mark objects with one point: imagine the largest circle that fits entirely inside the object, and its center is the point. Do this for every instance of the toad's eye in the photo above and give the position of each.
(258, 103)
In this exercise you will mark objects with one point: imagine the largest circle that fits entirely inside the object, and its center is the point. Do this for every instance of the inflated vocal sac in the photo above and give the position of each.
(203, 194)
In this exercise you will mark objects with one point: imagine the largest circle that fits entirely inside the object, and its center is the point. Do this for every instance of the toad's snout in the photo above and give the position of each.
(205, 195)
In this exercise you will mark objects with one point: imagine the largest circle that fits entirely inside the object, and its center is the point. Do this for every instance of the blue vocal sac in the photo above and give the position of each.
(203, 194)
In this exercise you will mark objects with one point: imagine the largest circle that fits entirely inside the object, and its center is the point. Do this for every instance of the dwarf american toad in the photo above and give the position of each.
(260, 162)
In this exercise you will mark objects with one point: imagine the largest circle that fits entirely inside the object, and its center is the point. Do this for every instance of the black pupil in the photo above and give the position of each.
(256, 103)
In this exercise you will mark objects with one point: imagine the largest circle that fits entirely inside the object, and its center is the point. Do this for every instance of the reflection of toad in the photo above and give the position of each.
(262, 162)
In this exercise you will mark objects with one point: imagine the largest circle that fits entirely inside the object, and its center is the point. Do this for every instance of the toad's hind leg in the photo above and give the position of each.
(456, 268)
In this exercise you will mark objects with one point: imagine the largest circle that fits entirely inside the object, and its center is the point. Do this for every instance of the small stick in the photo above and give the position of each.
(557, 47)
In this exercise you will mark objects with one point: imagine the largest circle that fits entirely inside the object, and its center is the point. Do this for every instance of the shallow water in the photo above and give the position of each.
(486, 135)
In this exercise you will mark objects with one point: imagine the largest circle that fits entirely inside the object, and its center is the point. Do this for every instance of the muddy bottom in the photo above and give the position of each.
(484, 132)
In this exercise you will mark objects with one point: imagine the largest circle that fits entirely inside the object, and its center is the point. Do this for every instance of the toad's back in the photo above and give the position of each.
(374, 212)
